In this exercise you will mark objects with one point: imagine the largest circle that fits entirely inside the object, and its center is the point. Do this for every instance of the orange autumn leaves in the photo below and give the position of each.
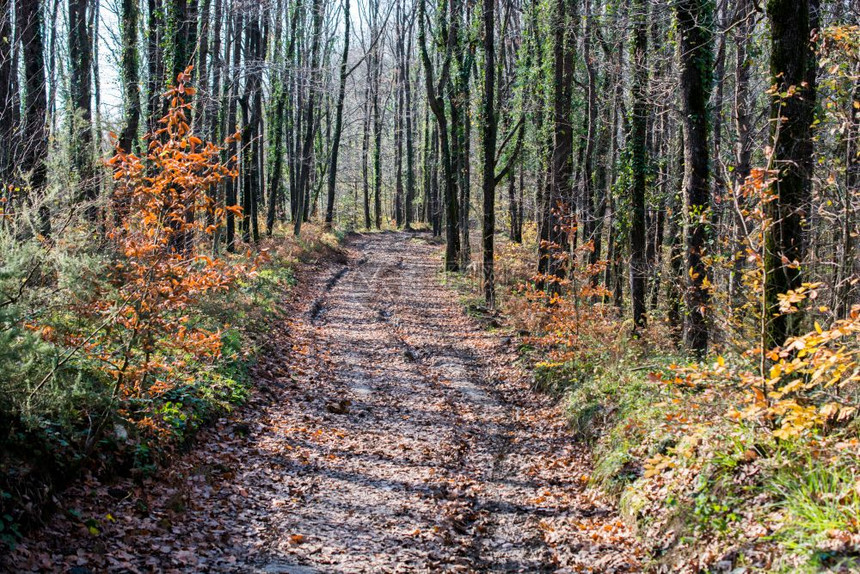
(147, 341)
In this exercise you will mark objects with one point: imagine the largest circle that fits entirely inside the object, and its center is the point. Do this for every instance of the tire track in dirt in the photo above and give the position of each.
(396, 436)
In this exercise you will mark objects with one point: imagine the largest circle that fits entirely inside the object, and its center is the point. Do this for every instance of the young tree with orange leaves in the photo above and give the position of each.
(159, 271)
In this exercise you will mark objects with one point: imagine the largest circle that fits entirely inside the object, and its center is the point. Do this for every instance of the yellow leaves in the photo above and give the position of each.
(788, 301)
(658, 464)
(793, 393)
(775, 371)
(792, 386)
(829, 410)
(796, 419)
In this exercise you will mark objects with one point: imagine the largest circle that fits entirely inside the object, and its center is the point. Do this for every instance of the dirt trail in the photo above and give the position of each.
(398, 437)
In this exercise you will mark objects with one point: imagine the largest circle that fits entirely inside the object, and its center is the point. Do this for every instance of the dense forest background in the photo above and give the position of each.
(685, 173)
(636, 125)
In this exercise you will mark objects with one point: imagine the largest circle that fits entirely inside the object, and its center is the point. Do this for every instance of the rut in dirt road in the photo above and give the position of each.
(401, 437)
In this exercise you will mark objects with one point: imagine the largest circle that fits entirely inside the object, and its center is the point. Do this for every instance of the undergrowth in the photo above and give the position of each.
(711, 476)
(117, 347)
(704, 490)
(78, 424)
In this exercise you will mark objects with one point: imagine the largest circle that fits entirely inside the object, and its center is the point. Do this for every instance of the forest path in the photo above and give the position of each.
(400, 437)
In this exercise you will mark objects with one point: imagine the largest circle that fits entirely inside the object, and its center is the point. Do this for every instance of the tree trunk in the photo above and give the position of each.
(376, 111)
(489, 164)
(130, 75)
(251, 102)
(201, 71)
(515, 231)
(784, 244)
(365, 148)
(744, 18)
(7, 95)
(408, 214)
(554, 246)
(695, 22)
(588, 188)
(216, 67)
(437, 106)
(232, 148)
(34, 130)
(338, 121)
(398, 119)
(310, 119)
(461, 126)
(80, 96)
(638, 142)
(155, 63)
